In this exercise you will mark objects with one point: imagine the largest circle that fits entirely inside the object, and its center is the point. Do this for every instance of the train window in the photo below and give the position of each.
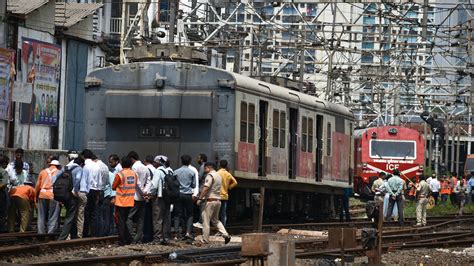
(307, 134)
(251, 119)
(393, 149)
(310, 135)
(243, 121)
(304, 134)
(328, 139)
(276, 127)
(282, 129)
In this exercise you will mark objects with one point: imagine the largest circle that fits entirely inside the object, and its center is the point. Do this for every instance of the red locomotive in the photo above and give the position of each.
(383, 149)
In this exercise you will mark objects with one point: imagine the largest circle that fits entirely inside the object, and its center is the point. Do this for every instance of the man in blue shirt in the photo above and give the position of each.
(347, 193)
(395, 190)
(75, 166)
(108, 207)
(184, 204)
(470, 186)
(161, 207)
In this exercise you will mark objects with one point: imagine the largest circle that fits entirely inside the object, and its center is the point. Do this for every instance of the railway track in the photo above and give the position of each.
(12, 239)
(399, 238)
(230, 255)
(54, 246)
(358, 223)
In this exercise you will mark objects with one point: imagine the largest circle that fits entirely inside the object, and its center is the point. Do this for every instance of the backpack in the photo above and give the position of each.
(151, 173)
(62, 187)
(171, 185)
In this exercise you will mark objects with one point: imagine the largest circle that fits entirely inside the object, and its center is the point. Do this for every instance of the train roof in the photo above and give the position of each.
(285, 94)
(113, 77)
(359, 132)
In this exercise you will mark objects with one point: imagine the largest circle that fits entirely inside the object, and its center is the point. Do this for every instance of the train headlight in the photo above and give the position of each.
(421, 167)
(364, 165)
(392, 131)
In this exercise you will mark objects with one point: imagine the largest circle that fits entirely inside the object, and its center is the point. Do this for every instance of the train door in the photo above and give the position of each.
(293, 143)
(319, 147)
(262, 142)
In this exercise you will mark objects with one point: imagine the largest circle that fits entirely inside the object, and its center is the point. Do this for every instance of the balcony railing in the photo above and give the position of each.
(116, 24)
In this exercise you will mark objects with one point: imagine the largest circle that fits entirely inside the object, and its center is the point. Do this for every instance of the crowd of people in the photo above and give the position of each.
(393, 191)
(140, 201)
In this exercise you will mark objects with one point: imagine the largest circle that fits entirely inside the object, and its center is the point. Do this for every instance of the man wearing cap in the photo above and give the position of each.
(22, 197)
(48, 208)
(210, 197)
(161, 208)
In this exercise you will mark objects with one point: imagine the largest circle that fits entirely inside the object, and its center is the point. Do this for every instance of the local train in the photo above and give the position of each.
(295, 145)
(469, 164)
(384, 149)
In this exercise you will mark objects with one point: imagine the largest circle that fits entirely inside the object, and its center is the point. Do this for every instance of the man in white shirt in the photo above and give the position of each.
(435, 186)
(148, 227)
(149, 164)
(95, 195)
(137, 213)
(161, 208)
(114, 163)
(428, 180)
(196, 189)
(104, 182)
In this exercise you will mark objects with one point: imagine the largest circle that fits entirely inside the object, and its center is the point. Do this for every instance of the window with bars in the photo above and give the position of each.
(276, 128)
(247, 122)
(328, 139)
(251, 117)
(307, 134)
(243, 121)
(279, 129)
(282, 129)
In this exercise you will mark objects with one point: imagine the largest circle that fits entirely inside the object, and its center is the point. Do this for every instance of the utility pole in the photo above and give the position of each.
(458, 148)
(237, 54)
(260, 53)
(470, 108)
(446, 143)
(123, 30)
(172, 21)
(396, 106)
(437, 153)
(470, 111)
(301, 63)
(329, 92)
(251, 49)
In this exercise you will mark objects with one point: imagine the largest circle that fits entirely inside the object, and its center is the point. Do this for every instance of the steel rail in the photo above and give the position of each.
(397, 239)
(229, 255)
(11, 239)
(425, 228)
(435, 221)
(54, 245)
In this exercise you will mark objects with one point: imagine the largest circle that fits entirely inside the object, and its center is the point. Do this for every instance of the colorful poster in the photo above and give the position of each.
(42, 61)
(6, 59)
